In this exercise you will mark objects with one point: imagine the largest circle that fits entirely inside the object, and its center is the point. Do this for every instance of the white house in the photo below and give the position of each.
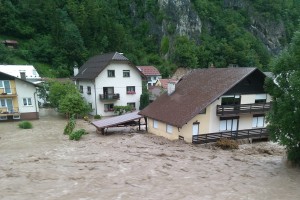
(27, 72)
(109, 80)
(151, 73)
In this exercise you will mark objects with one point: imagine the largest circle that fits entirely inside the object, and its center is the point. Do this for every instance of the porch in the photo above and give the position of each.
(258, 133)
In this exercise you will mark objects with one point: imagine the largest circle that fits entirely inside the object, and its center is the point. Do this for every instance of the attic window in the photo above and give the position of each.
(111, 73)
(126, 73)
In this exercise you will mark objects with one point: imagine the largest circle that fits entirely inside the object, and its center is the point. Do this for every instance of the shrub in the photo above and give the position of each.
(70, 126)
(76, 135)
(25, 125)
(97, 117)
(225, 143)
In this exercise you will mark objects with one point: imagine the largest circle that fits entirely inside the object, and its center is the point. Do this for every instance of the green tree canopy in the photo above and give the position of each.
(58, 91)
(284, 117)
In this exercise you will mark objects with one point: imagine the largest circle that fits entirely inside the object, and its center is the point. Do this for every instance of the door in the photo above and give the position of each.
(196, 128)
(7, 88)
(9, 104)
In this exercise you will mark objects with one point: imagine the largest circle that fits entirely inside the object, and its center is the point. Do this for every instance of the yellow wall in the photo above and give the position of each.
(161, 130)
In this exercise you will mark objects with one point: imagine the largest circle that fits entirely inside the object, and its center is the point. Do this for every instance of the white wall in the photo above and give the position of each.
(26, 90)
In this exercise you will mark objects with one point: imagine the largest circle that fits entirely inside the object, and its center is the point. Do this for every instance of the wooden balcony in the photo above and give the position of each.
(8, 92)
(106, 97)
(257, 133)
(223, 110)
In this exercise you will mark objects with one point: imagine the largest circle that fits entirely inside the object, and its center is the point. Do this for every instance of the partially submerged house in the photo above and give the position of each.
(214, 100)
(109, 80)
(18, 98)
(151, 73)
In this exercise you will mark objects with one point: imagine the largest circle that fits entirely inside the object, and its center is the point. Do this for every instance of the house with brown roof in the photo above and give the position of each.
(109, 80)
(151, 73)
(228, 101)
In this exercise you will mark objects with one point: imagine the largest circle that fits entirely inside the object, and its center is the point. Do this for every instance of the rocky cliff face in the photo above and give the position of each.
(180, 18)
(270, 32)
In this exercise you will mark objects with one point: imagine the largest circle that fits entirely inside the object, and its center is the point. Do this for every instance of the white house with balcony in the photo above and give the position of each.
(109, 80)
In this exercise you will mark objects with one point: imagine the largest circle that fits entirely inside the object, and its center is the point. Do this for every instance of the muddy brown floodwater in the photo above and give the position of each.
(42, 163)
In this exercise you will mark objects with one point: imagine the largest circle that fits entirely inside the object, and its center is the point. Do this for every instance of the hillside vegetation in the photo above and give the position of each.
(55, 35)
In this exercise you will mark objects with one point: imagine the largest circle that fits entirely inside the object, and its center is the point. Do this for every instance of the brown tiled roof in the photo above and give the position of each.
(149, 70)
(94, 66)
(193, 93)
(164, 82)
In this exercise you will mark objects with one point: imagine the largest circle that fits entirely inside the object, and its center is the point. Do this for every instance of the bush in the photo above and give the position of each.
(225, 143)
(76, 135)
(25, 125)
(97, 117)
(70, 126)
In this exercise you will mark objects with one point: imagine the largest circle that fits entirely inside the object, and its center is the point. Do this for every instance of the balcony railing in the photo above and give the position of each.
(242, 109)
(256, 133)
(109, 96)
(8, 92)
(5, 111)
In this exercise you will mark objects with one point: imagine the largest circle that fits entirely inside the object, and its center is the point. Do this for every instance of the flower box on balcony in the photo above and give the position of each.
(130, 92)
(4, 93)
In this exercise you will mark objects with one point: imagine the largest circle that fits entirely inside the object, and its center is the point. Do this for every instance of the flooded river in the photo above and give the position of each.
(42, 163)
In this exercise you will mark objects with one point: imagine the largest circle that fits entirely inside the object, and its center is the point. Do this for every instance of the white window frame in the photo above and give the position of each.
(27, 100)
(155, 124)
(229, 124)
(258, 121)
(111, 73)
(126, 73)
(169, 128)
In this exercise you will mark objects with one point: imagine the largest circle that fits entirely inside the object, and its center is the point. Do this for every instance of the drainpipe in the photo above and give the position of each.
(95, 98)
(36, 103)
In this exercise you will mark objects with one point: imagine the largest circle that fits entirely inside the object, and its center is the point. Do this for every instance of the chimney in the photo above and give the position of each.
(23, 75)
(171, 87)
(75, 70)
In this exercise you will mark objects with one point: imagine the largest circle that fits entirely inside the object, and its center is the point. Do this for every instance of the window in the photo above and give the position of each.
(132, 105)
(81, 89)
(149, 78)
(111, 73)
(155, 124)
(258, 121)
(126, 73)
(130, 89)
(196, 128)
(203, 111)
(261, 98)
(89, 91)
(228, 124)
(231, 100)
(169, 128)
(27, 102)
(3, 117)
(108, 107)
(6, 85)
(91, 105)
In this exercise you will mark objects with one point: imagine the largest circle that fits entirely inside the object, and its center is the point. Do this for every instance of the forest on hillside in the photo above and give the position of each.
(55, 35)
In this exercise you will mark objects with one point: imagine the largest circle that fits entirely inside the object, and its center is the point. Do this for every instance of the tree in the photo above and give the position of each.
(72, 104)
(144, 99)
(58, 91)
(284, 117)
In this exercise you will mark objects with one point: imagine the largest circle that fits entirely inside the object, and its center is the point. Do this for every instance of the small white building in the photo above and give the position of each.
(109, 80)
(151, 73)
(27, 72)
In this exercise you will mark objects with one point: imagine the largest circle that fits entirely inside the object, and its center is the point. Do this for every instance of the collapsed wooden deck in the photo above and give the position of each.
(129, 119)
